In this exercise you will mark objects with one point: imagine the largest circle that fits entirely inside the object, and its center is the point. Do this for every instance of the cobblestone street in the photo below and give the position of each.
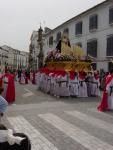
(60, 124)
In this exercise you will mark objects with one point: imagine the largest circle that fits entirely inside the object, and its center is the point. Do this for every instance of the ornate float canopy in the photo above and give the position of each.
(67, 58)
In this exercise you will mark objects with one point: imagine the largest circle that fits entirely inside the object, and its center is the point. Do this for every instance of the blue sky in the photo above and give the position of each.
(18, 18)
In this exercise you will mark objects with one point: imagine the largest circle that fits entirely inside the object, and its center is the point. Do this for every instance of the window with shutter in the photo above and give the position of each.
(51, 40)
(92, 48)
(58, 37)
(93, 22)
(110, 46)
(110, 15)
(110, 66)
(78, 28)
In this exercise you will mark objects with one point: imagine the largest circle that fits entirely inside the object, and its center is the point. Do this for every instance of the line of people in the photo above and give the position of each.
(60, 83)
(24, 76)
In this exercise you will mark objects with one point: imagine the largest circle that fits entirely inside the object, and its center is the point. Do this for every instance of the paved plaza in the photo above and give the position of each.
(60, 123)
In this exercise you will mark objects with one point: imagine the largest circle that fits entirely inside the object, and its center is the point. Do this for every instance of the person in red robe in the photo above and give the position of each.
(104, 102)
(9, 87)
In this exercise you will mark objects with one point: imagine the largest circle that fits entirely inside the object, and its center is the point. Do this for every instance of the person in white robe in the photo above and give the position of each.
(57, 84)
(41, 82)
(22, 78)
(38, 75)
(95, 85)
(82, 85)
(73, 84)
(48, 84)
(89, 83)
(64, 85)
(52, 83)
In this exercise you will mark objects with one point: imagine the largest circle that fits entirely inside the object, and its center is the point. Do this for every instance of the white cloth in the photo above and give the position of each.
(110, 97)
(7, 136)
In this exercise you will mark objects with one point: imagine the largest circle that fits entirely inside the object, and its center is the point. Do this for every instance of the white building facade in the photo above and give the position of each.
(13, 58)
(92, 30)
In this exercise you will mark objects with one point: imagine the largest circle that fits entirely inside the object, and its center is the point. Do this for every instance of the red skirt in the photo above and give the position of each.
(104, 102)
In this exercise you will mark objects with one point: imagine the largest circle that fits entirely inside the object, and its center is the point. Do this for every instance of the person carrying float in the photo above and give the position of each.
(64, 86)
(53, 83)
(89, 83)
(95, 85)
(82, 85)
(73, 83)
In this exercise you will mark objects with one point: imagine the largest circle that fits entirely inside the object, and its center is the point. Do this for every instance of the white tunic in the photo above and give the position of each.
(64, 86)
(82, 88)
(110, 97)
(95, 87)
(73, 87)
(48, 84)
(22, 79)
(57, 80)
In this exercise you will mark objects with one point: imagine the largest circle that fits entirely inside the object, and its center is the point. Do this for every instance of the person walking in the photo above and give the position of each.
(9, 87)
(107, 97)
